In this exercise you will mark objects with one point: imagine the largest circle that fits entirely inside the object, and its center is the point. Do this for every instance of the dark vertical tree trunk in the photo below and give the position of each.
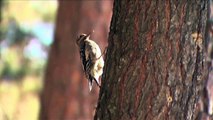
(60, 74)
(155, 66)
(66, 94)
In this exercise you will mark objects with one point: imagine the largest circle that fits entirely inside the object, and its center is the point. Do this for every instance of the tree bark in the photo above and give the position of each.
(155, 65)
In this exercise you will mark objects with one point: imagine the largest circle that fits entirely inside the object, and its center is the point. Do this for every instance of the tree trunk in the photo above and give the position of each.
(155, 66)
(58, 94)
(66, 94)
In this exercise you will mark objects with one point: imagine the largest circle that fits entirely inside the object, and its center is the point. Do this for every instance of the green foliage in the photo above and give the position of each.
(13, 63)
(13, 66)
(21, 77)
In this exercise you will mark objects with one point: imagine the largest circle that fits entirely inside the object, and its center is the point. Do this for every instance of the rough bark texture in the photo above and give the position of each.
(155, 65)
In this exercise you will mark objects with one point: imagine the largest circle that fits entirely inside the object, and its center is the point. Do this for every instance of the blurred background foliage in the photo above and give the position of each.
(26, 33)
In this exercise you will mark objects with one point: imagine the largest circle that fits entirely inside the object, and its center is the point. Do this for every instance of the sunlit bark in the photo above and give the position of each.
(155, 65)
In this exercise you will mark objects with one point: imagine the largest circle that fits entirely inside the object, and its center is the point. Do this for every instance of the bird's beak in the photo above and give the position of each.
(88, 35)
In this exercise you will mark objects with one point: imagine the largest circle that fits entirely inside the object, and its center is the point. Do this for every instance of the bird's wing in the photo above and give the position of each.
(83, 56)
(91, 57)
(86, 61)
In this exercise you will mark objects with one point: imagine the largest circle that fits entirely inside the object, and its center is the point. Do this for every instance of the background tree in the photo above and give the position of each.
(155, 66)
(66, 94)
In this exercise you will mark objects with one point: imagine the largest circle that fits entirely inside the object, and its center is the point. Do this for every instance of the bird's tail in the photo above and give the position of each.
(97, 82)
(91, 82)
(90, 86)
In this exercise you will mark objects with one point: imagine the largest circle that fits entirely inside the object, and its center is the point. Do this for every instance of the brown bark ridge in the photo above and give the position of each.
(155, 63)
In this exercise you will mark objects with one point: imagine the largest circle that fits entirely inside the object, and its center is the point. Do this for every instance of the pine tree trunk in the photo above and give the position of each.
(155, 66)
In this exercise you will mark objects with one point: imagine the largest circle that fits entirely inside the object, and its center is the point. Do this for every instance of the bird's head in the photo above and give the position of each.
(81, 38)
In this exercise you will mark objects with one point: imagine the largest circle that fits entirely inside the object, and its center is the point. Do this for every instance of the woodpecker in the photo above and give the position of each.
(91, 57)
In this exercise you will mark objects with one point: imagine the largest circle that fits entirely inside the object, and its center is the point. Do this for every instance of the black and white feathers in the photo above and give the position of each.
(91, 58)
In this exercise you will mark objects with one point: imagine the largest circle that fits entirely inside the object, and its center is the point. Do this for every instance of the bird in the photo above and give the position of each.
(91, 58)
